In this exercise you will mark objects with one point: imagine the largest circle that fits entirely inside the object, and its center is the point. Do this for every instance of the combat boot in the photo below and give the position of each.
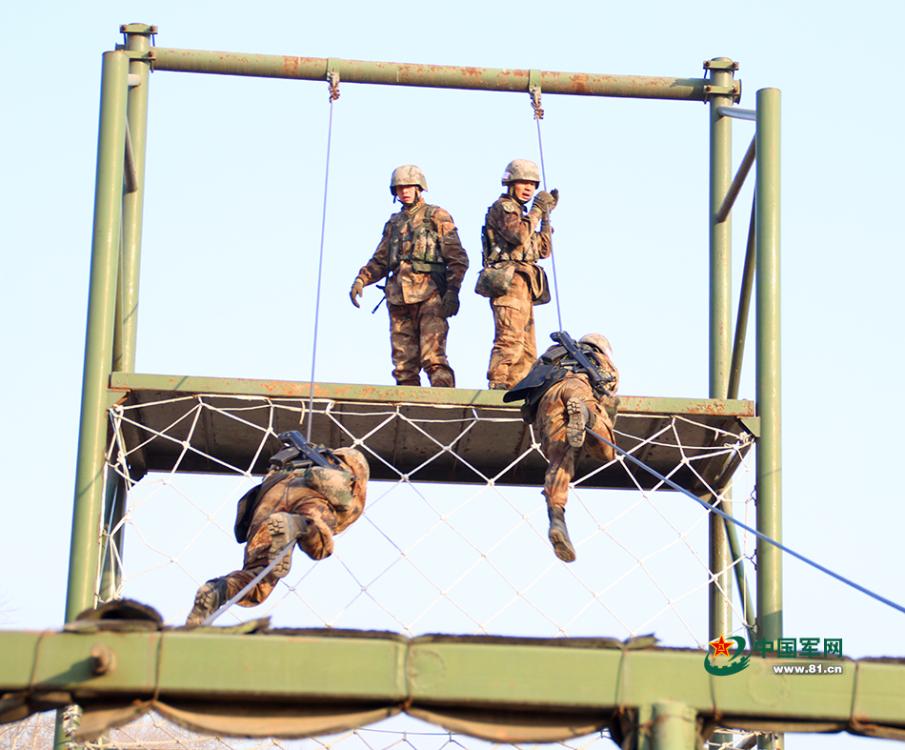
(578, 420)
(284, 529)
(208, 599)
(559, 534)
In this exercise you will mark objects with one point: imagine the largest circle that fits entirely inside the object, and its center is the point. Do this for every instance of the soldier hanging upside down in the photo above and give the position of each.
(514, 239)
(297, 501)
(424, 262)
(566, 392)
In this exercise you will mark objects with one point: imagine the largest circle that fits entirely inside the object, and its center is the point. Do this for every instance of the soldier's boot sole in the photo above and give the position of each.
(559, 536)
(578, 420)
(208, 599)
(284, 528)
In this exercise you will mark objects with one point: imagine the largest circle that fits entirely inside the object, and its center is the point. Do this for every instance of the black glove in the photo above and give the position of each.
(450, 303)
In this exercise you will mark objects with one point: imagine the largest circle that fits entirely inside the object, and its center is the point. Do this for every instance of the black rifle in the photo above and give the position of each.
(599, 380)
(383, 289)
(296, 444)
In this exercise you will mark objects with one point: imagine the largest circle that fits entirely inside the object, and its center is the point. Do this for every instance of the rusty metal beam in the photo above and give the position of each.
(436, 76)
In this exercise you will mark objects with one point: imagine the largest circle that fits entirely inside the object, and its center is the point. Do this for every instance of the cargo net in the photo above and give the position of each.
(467, 556)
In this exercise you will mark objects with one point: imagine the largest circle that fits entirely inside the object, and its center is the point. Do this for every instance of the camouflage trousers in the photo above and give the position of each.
(324, 521)
(418, 341)
(551, 422)
(514, 340)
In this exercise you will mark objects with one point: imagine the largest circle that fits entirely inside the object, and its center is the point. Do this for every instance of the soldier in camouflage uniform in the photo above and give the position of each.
(561, 402)
(424, 262)
(514, 240)
(295, 502)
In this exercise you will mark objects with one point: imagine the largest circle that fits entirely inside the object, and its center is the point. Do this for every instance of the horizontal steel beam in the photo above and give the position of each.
(395, 394)
(737, 113)
(432, 76)
(542, 676)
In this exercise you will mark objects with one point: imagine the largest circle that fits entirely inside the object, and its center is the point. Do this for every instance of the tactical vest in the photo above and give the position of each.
(420, 245)
(496, 249)
(552, 367)
(335, 485)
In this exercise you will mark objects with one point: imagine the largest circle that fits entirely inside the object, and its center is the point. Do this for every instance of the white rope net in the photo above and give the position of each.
(430, 557)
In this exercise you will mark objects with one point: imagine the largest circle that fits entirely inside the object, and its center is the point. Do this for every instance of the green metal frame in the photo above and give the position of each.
(498, 674)
(116, 248)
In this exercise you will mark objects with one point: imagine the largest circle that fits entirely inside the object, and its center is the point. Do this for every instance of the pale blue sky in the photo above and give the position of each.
(235, 172)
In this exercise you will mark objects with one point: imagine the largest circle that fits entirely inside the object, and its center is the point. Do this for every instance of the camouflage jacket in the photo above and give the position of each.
(510, 233)
(420, 252)
(552, 367)
(343, 488)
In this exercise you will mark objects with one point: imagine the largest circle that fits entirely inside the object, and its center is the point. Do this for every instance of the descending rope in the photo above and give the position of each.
(760, 535)
(250, 585)
(333, 81)
(538, 116)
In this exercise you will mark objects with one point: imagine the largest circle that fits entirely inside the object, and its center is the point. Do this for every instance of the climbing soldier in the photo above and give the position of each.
(298, 501)
(571, 387)
(424, 262)
(514, 239)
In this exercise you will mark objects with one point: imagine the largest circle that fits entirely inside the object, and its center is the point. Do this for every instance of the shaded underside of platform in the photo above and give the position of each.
(406, 429)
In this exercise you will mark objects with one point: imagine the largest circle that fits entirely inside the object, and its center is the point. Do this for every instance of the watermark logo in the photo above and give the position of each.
(729, 656)
(737, 660)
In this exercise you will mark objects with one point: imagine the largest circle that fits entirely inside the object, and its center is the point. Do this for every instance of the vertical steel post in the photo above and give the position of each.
(84, 545)
(125, 330)
(673, 727)
(138, 42)
(769, 447)
(721, 74)
(112, 536)
(84, 552)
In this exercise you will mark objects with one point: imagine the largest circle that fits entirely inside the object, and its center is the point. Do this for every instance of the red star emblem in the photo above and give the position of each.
(721, 647)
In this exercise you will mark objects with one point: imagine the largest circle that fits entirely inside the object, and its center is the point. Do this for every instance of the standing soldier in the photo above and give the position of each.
(297, 501)
(570, 388)
(425, 262)
(511, 277)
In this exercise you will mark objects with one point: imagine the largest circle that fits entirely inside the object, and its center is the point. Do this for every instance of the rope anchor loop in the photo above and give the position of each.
(333, 80)
(535, 103)
(535, 91)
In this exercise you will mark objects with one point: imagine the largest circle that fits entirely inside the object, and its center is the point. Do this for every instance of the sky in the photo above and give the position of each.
(235, 182)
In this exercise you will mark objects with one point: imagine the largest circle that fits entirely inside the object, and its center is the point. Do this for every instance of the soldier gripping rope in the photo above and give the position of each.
(424, 263)
(308, 496)
(514, 239)
(571, 387)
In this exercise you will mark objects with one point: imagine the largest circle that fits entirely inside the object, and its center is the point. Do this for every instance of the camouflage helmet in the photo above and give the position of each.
(407, 174)
(600, 342)
(521, 169)
(355, 461)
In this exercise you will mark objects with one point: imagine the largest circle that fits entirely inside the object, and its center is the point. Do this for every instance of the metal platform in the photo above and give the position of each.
(406, 429)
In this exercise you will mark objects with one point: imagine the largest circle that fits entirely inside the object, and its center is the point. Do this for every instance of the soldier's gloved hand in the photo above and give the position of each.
(450, 303)
(555, 193)
(356, 291)
(545, 202)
